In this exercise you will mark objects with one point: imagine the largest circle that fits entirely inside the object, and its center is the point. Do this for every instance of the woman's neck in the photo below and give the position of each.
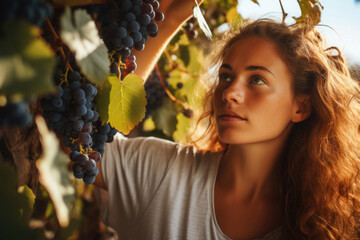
(251, 172)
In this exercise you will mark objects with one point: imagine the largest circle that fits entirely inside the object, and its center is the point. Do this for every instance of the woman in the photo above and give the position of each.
(284, 148)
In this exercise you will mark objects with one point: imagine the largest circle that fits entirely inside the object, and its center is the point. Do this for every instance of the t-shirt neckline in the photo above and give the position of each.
(212, 202)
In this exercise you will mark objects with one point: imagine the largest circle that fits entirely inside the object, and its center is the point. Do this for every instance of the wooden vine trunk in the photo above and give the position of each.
(21, 147)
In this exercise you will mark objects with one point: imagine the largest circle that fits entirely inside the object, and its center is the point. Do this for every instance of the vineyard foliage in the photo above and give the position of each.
(56, 205)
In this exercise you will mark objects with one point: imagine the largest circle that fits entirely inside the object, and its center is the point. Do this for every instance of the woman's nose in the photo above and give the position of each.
(234, 93)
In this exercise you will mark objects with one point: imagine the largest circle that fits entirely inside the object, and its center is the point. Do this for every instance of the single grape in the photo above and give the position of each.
(74, 155)
(85, 138)
(88, 179)
(95, 155)
(90, 164)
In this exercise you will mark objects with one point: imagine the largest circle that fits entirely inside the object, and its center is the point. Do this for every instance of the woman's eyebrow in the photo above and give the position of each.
(252, 68)
(227, 66)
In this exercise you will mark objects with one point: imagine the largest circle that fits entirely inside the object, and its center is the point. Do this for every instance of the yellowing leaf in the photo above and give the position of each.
(53, 173)
(310, 12)
(26, 62)
(122, 103)
(82, 37)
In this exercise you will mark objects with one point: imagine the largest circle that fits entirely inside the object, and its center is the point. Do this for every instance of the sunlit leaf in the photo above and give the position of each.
(196, 60)
(149, 125)
(182, 128)
(184, 54)
(184, 40)
(122, 103)
(82, 37)
(310, 12)
(165, 118)
(54, 174)
(26, 62)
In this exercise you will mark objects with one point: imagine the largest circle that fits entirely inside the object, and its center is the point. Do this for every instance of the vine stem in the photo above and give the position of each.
(172, 97)
(283, 12)
(57, 40)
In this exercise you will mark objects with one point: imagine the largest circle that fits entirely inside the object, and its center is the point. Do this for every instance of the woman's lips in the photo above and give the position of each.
(231, 116)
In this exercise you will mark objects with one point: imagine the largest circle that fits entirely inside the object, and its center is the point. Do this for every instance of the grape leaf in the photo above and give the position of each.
(16, 206)
(165, 118)
(82, 37)
(196, 59)
(54, 174)
(182, 128)
(122, 103)
(184, 54)
(233, 17)
(26, 62)
(310, 12)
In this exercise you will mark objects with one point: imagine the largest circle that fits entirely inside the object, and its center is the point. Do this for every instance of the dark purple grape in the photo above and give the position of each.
(90, 164)
(159, 16)
(85, 138)
(88, 179)
(88, 127)
(95, 155)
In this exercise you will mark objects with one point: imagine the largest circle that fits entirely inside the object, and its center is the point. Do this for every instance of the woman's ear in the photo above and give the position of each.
(302, 108)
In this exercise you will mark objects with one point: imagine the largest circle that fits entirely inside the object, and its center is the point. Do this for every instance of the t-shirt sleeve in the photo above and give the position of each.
(133, 169)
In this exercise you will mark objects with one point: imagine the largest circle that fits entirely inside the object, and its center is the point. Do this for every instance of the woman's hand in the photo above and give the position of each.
(176, 13)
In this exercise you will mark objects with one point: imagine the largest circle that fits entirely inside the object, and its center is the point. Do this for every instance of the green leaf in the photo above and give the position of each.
(26, 62)
(184, 40)
(176, 38)
(165, 118)
(29, 203)
(54, 174)
(196, 59)
(82, 37)
(122, 103)
(182, 128)
(15, 206)
(184, 54)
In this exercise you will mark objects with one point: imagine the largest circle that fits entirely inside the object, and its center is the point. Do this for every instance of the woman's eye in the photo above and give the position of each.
(225, 77)
(257, 80)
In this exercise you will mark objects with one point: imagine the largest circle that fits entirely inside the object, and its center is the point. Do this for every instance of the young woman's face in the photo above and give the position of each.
(254, 100)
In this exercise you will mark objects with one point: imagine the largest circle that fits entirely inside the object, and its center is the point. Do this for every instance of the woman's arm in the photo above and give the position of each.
(176, 13)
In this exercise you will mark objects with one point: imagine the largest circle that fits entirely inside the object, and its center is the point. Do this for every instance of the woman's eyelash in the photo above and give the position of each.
(258, 80)
(225, 77)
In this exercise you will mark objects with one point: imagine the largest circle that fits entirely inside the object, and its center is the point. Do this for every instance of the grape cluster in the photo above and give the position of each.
(190, 30)
(72, 113)
(126, 25)
(34, 11)
(15, 113)
(155, 94)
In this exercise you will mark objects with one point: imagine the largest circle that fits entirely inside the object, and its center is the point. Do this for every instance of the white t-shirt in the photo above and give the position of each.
(161, 190)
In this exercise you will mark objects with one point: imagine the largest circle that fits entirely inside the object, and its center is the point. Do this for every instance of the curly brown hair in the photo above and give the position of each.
(321, 163)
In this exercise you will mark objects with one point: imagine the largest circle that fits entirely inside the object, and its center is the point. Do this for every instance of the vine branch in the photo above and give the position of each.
(283, 12)
(57, 40)
(172, 97)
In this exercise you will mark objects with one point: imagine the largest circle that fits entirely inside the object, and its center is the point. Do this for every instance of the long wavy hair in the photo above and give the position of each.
(321, 163)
